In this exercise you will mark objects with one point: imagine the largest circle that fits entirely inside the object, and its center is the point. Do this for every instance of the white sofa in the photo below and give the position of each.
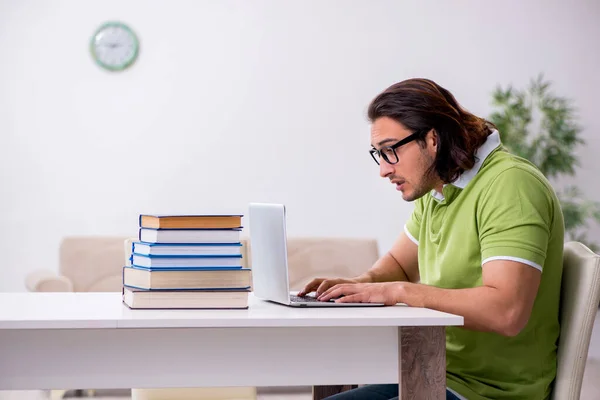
(95, 263)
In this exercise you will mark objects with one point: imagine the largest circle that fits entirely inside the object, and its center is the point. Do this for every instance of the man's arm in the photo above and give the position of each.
(399, 264)
(504, 301)
(503, 304)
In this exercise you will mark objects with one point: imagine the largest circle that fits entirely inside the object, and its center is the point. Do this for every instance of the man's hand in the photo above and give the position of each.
(320, 285)
(401, 263)
(387, 293)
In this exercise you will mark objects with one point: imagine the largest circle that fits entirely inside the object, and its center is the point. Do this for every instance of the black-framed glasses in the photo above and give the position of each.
(388, 153)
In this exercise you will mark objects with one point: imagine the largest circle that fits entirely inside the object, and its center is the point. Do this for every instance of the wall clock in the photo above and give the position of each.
(114, 46)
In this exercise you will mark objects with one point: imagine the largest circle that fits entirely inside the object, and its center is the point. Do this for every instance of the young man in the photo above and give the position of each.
(485, 241)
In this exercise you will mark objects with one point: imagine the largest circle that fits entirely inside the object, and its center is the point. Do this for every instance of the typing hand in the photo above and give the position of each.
(320, 285)
(387, 293)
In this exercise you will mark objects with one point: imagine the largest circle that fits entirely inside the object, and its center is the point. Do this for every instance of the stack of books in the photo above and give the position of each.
(187, 261)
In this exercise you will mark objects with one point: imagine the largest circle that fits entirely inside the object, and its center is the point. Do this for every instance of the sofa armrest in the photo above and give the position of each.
(127, 250)
(45, 280)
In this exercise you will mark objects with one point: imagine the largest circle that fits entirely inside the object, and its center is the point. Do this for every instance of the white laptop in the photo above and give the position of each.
(268, 246)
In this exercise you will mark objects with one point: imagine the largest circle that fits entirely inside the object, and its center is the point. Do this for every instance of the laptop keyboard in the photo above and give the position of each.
(307, 299)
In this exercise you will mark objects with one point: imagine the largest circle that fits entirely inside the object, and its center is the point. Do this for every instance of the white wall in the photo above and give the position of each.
(239, 101)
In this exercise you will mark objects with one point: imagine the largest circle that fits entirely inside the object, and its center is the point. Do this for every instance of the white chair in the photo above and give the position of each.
(580, 296)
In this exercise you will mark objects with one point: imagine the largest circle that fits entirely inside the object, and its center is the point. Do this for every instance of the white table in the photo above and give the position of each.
(92, 340)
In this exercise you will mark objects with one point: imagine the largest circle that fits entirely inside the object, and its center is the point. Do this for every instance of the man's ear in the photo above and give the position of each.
(432, 139)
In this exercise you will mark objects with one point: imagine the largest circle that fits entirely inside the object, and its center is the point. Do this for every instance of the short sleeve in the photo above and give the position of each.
(515, 218)
(413, 225)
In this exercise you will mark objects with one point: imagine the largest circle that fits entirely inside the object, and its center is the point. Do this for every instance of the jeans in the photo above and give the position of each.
(375, 392)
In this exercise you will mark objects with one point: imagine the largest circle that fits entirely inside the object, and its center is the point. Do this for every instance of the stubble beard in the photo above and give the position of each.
(427, 181)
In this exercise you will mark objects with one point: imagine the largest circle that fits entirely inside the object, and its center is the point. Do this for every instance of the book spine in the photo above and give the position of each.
(174, 257)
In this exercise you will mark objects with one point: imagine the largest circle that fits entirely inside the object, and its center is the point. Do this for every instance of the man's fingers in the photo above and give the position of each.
(338, 290)
(325, 285)
(346, 287)
(326, 291)
(311, 286)
(352, 298)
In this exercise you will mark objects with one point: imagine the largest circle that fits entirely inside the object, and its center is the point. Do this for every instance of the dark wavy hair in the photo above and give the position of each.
(420, 105)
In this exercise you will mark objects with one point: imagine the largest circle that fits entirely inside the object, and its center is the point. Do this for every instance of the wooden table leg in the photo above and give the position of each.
(422, 362)
(321, 392)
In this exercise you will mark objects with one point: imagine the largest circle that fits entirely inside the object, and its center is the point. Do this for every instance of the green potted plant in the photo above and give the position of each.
(540, 126)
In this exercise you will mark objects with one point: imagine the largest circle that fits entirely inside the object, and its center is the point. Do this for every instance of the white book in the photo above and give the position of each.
(189, 235)
(185, 299)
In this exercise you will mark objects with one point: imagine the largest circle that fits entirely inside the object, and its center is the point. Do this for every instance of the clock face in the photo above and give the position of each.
(114, 46)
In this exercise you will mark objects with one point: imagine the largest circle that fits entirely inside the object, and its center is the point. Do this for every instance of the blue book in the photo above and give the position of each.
(192, 249)
(186, 261)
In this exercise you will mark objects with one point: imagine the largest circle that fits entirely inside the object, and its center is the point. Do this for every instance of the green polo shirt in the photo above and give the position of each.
(503, 208)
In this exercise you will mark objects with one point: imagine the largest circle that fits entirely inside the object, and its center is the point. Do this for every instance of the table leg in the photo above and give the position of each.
(321, 392)
(422, 362)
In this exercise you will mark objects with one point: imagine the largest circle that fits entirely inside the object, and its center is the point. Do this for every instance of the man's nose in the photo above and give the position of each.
(385, 169)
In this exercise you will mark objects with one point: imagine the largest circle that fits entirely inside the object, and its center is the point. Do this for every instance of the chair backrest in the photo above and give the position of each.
(580, 297)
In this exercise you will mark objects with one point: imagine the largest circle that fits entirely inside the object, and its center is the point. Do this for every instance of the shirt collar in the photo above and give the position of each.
(491, 143)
